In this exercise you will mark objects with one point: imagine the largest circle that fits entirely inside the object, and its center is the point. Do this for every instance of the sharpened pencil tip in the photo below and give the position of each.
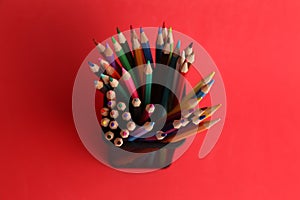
(91, 64)
(159, 30)
(148, 62)
(95, 41)
(118, 30)
(106, 45)
(152, 123)
(178, 44)
(164, 24)
(113, 40)
(211, 82)
(131, 27)
(213, 122)
(191, 45)
(141, 30)
(170, 30)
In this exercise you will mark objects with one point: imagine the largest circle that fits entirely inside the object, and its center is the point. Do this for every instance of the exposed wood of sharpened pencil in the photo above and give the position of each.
(139, 60)
(200, 94)
(149, 109)
(197, 87)
(125, 46)
(100, 47)
(165, 54)
(109, 69)
(170, 128)
(129, 83)
(189, 49)
(136, 110)
(110, 57)
(99, 85)
(193, 131)
(164, 32)
(194, 100)
(208, 112)
(95, 69)
(138, 133)
(146, 46)
(171, 42)
(159, 46)
(175, 55)
(121, 55)
(132, 34)
(138, 52)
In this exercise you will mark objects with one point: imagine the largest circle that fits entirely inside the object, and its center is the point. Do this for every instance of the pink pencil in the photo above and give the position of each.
(129, 84)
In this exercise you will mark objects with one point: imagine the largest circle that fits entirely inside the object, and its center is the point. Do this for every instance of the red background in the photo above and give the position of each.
(255, 44)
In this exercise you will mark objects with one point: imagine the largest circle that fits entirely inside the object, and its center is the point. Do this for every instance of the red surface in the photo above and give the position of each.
(256, 47)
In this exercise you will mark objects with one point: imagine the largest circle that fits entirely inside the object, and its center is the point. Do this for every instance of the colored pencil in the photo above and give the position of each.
(109, 135)
(159, 46)
(189, 49)
(206, 114)
(203, 82)
(164, 32)
(100, 47)
(131, 126)
(95, 68)
(110, 57)
(125, 46)
(129, 83)
(139, 58)
(104, 111)
(121, 55)
(165, 54)
(146, 46)
(109, 69)
(133, 34)
(148, 126)
(175, 55)
(148, 74)
(114, 114)
(171, 42)
(194, 130)
(118, 142)
(149, 109)
(99, 85)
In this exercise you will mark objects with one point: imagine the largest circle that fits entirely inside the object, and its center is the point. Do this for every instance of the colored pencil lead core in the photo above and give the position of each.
(113, 40)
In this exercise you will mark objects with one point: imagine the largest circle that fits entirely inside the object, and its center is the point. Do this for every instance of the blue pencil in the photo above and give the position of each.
(146, 46)
(159, 46)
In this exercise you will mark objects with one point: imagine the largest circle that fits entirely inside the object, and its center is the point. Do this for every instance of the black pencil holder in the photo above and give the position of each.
(139, 154)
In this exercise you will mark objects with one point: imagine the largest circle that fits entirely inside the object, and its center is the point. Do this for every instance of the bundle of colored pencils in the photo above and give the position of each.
(130, 94)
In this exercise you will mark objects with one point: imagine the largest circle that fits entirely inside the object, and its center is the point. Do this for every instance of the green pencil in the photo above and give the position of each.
(121, 55)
